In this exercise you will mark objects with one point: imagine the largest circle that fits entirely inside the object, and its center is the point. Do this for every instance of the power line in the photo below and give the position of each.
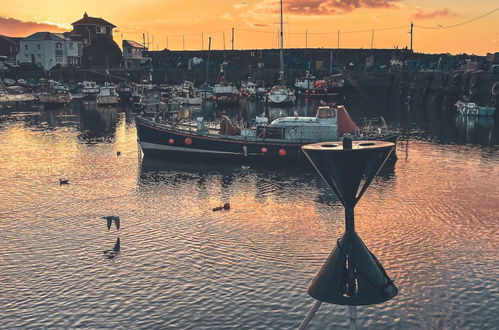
(458, 24)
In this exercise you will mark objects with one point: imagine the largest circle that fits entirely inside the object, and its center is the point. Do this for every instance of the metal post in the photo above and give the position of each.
(207, 64)
(310, 315)
(202, 41)
(338, 38)
(412, 30)
(306, 38)
(372, 40)
(232, 41)
(223, 39)
(167, 43)
(183, 42)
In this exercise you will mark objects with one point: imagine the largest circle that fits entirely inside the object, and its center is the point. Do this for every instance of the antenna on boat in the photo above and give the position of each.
(232, 40)
(207, 63)
(281, 46)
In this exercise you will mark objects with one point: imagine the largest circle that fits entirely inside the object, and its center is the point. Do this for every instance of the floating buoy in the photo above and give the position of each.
(264, 150)
(171, 141)
(282, 152)
(188, 141)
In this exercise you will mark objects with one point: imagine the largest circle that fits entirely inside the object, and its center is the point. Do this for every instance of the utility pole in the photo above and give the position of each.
(183, 42)
(167, 43)
(223, 39)
(232, 41)
(338, 38)
(207, 63)
(372, 40)
(144, 40)
(306, 38)
(202, 41)
(411, 32)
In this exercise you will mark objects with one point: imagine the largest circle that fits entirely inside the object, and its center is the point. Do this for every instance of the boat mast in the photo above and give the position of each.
(281, 46)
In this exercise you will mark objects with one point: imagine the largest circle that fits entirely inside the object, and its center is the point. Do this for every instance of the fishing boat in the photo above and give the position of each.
(224, 93)
(108, 95)
(472, 109)
(125, 93)
(187, 95)
(279, 141)
(56, 96)
(90, 90)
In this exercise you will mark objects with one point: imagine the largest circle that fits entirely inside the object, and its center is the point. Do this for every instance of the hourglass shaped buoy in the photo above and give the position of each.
(351, 275)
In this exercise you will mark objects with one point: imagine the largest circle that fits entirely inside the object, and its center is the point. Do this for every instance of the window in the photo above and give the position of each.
(70, 45)
(39, 56)
(26, 47)
(129, 50)
(100, 29)
(58, 59)
(58, 45)
(38, 46)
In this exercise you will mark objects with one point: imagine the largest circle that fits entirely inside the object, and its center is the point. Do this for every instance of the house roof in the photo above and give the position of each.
(40, 36)
(12, 40)
(132, 43)
(87, 20)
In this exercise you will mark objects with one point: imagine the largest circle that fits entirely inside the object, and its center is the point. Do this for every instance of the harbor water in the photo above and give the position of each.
(431, 218)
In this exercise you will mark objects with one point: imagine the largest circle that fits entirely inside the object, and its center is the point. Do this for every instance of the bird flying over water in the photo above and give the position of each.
(110, 219)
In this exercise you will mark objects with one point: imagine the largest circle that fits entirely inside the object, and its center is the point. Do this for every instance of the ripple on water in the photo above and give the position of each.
(180, 265)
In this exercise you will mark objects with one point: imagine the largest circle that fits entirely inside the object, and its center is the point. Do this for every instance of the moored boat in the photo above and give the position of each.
(55, 97)
(90, 90)
(472, 109)
(107, 95)
(279, 141)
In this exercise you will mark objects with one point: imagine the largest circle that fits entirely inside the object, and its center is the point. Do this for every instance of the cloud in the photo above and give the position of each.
(321, 7)
(17, 28)
(260, 25)
(443, 12)
(227, 16)
(239, 5)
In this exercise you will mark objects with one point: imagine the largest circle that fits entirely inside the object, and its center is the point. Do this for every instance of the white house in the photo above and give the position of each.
(132, 54)
(48, 49)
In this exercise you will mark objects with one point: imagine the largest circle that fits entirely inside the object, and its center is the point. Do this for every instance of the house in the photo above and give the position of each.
(132, 54)
(96, 36)
(48, 49)
(9, 47)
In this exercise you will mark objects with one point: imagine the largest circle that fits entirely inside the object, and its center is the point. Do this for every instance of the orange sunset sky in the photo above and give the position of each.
(255, 22)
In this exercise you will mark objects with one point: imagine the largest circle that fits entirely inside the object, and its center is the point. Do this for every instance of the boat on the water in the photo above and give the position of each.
(56, 96)
(279, 141)
(108, 95)
(90, 90)
(281, 95)
(473, 109)
(186, 94)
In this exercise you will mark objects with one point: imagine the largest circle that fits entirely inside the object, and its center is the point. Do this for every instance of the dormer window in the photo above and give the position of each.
(100, 30)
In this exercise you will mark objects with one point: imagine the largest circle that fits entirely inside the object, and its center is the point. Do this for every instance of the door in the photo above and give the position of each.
(32, 58)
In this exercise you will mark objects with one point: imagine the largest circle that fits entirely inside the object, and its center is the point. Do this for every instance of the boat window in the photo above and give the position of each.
(327, 113)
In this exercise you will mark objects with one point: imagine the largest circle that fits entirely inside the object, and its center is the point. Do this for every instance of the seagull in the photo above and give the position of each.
(110, 219)
(118, 153)
(63, 181)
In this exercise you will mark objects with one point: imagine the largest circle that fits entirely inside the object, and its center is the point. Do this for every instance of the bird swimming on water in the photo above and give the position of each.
(110, 219)
(118, 153)
(63, 181)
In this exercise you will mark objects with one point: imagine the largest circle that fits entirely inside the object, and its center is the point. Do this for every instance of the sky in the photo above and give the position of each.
(178, 24)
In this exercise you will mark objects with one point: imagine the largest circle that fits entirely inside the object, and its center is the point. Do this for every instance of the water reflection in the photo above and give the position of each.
(115, 251)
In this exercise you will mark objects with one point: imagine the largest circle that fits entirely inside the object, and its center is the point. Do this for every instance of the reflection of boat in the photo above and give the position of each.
(278, 141)
(55, 97)
(107, 96)
(472, 109)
